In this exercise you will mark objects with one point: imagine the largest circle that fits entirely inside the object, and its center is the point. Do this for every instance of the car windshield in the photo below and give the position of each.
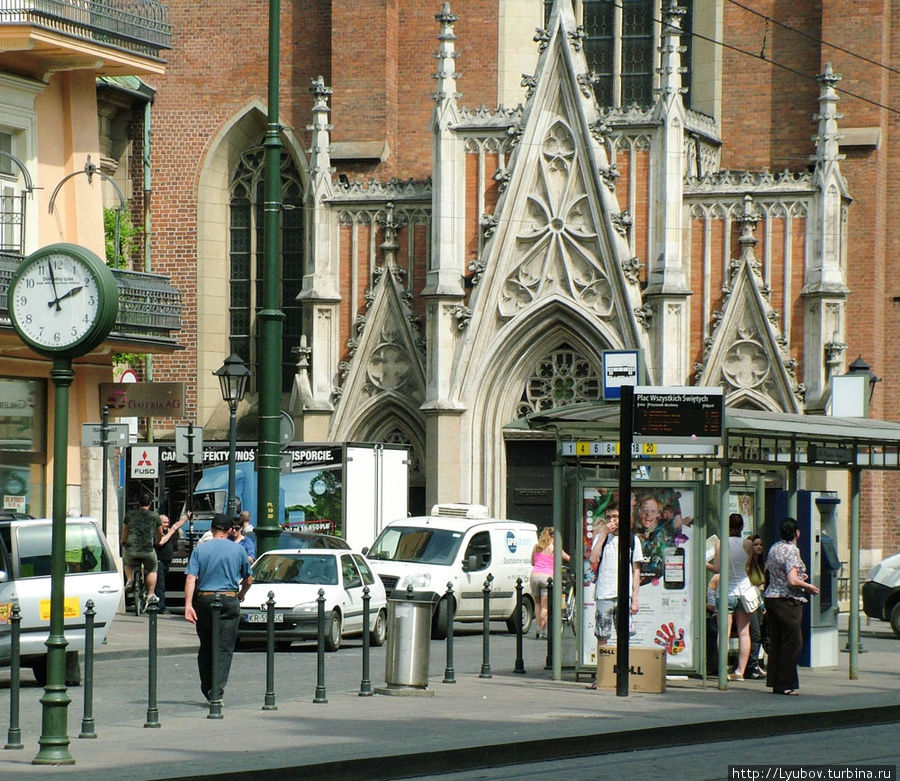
(309, 568)
(407, 543)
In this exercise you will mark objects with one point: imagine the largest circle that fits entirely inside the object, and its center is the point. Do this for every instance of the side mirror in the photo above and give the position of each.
(365, 550)
(472, 563)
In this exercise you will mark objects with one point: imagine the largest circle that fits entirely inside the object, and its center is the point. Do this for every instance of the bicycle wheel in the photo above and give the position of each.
(140, 591)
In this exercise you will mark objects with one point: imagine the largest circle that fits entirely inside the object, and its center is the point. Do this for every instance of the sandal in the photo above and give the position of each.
(786, 692)
(592, 686)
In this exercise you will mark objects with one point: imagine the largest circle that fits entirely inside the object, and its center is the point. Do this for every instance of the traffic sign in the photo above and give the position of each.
(184, 448)
(92, 435)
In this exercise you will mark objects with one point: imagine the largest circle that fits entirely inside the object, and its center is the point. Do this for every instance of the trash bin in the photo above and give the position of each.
(408, 647)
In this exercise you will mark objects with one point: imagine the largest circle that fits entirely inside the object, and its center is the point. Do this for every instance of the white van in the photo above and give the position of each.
(25, 578)
(458, 544)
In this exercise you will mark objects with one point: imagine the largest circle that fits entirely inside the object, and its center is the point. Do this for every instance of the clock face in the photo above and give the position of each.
(54, 301)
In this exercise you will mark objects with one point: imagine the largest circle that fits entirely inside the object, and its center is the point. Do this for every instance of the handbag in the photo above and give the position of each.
(748, 594)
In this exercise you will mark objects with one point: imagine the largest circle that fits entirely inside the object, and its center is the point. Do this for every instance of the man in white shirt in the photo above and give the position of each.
(605, 557)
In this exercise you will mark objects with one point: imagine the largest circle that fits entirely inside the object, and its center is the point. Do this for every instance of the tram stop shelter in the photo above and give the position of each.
(759, 450)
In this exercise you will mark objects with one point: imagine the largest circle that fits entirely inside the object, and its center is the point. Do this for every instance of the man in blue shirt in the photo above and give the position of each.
(219, 569)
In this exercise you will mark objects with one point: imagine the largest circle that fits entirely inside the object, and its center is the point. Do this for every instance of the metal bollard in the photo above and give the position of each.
(365, 685)
(87, 720)
(215, 697)
(152, 710)
(14, 736)
(320, 652)
(449, 673)
(269, 700)
(548, 663)
(520, 662)
(486, 629)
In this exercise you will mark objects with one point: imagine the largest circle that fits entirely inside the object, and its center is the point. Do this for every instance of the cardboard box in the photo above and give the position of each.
(647, 669)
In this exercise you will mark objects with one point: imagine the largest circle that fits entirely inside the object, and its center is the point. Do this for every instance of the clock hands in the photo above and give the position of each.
(67, 294)
(53, 283)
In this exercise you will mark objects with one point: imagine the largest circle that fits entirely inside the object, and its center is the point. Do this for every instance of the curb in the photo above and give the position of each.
(397, 766)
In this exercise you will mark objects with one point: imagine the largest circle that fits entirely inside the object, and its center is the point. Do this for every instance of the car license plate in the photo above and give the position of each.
(260, 618)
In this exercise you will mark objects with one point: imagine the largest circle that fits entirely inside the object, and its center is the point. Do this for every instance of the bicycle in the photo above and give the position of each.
(139, 595)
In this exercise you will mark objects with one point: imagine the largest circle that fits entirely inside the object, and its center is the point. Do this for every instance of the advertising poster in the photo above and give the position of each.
(662, 517)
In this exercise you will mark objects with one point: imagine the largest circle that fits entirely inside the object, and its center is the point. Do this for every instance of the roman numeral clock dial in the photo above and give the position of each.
(63, 300)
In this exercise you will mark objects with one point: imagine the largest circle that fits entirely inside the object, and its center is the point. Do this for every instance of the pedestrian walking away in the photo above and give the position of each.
(220, 569)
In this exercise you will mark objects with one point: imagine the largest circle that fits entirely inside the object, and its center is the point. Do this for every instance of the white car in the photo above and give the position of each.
(25, 563)
(294, 577)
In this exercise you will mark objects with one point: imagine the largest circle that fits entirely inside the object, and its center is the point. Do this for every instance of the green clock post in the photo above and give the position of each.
(63, 303)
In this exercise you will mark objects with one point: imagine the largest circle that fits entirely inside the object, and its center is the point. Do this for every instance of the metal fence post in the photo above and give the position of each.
(520, 662)
(215, 696)
(449, 672)
(320, 652)
(87, 721)
(486, 629)
(152, 709)
(365, 685)
(14, 737)
(269, 700)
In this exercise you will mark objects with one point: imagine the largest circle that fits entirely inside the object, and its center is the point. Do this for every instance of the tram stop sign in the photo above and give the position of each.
(688, 415)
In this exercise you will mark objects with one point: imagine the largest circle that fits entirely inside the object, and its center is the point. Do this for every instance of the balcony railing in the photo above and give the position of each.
(149, 307)
(133, 25)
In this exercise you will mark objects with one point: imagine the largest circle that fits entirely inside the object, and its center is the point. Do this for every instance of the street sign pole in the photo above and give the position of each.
(623, 604)
(104, 433)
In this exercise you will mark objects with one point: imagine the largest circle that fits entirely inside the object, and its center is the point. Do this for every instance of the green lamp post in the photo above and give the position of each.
(62, 302)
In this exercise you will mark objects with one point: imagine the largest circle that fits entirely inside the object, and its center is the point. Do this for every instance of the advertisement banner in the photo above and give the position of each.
(662, 519)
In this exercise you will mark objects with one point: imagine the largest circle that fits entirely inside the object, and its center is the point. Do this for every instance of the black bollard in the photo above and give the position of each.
(152, 709)
(449, 673)
(486, 629)
(320, 652)
(14, 736)
(520, 662)
(365, 685)
(269, 701)
(87, 720)
(548, 664)
(215, 696)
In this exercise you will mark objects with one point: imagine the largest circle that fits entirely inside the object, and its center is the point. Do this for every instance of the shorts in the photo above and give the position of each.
(538, 585)
(734, 604)
(133, 558)
(605, 621)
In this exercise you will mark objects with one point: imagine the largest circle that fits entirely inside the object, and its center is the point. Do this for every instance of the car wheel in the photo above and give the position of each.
(379, 633)
(38, 666)
(440, 620)
(895, 618)
(527, 617)
(333, 632)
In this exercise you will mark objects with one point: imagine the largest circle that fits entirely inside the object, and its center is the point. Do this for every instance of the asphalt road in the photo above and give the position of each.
(876, 745)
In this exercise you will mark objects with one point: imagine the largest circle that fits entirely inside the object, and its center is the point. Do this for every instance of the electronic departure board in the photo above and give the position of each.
(691, 415)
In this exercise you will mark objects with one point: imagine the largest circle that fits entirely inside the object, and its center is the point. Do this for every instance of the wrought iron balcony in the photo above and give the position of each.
(137, 26)
(149, 309)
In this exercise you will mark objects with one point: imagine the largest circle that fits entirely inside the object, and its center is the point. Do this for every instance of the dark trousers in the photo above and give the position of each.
(228, 624)
(756, 624)
(162, 569)
(783, 624)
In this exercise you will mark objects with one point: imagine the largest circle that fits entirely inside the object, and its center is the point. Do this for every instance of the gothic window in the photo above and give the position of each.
(622, 47)
(562, 377)
(246, 258)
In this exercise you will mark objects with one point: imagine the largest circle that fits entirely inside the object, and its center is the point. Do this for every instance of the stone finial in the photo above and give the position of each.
(827, 137)
(320, 149)
(446, 75)
(670, 69)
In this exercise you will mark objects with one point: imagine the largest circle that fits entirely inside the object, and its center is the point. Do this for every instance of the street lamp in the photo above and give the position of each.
(233, 377)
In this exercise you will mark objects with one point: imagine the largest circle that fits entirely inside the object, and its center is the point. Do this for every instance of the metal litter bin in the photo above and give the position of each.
(408, 646)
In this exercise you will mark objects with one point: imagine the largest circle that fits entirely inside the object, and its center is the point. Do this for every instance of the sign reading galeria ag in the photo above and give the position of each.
(143, 399)
(678, 414)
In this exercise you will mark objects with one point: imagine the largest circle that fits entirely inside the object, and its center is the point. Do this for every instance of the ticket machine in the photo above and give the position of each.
(817, 516)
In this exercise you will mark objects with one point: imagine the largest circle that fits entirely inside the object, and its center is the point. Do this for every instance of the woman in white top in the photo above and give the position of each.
(737, 572)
